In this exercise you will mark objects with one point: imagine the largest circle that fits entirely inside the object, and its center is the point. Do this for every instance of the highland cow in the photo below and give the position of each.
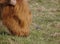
(16, 16)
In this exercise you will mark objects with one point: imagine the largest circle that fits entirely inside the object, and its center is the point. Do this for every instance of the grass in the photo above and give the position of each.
(45, 27)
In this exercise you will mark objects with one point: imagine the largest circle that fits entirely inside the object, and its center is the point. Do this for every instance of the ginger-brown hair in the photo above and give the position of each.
(17, 18)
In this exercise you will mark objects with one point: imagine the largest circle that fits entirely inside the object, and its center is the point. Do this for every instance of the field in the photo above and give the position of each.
(45, 27)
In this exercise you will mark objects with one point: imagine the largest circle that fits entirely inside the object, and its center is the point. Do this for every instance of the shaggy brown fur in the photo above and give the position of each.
(17, 18)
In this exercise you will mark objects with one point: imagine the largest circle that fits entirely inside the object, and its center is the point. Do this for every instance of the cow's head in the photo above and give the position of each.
(8, 2)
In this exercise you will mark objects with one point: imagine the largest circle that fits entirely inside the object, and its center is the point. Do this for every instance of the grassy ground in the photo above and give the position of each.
(45, 28)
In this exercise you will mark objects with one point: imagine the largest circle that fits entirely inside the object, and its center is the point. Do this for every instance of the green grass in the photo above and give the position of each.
(45, 28)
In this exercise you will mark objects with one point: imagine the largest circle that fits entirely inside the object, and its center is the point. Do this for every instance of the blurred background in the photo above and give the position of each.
(45, 27)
